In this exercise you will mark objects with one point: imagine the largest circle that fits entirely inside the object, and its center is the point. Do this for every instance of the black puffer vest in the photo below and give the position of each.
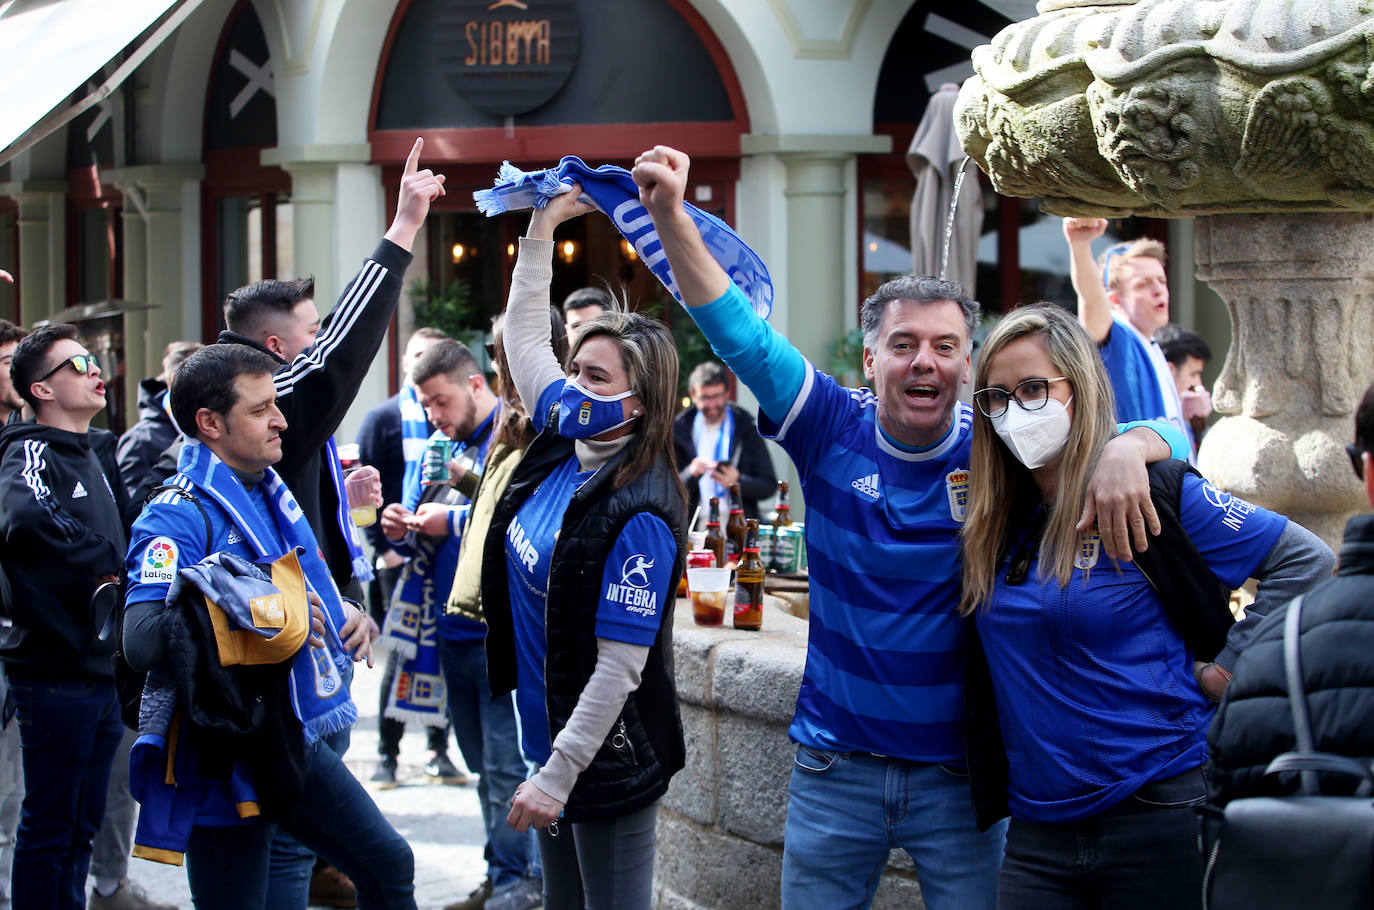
(619, 780)
(1254, 724)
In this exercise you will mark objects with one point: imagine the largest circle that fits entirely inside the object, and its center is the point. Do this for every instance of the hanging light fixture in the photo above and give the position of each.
(568, 250)
(627, 249)
(459, 252)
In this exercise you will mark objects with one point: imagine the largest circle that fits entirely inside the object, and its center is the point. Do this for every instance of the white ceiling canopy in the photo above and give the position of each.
(51, 48)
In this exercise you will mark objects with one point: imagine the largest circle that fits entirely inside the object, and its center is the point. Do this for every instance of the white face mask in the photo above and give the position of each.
(1035, 437)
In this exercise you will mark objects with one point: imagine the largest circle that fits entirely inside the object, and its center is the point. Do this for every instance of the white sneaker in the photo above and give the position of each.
(526, 894)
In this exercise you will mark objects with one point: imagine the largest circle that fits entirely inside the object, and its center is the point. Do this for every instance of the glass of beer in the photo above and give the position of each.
(710, 587)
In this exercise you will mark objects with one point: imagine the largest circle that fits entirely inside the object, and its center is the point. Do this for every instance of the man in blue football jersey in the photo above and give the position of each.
(878, 723)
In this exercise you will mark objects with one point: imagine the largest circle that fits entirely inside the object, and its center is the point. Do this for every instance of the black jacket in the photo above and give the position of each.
(61, 528)
(314, 393)
(1253, 724)
(757, 480)
(618, 780)
(143, 442)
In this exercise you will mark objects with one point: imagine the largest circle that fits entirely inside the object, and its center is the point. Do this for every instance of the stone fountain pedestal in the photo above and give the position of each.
(1300, 291)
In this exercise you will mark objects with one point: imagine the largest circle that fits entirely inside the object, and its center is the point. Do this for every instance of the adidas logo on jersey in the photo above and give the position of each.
(867, 485)
(233, 538)
(79, 492)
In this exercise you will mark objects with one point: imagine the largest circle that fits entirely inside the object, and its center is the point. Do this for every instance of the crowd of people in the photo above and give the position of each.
(1020, 621)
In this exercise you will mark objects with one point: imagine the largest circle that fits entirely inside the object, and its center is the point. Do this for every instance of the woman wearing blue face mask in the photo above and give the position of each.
(581, 569)
(1089, 691)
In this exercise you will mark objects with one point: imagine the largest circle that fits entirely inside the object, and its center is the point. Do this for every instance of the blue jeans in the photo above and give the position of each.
(845, 811)
(1142, 853)
(487, 737)
(68, 732)
(291, 863)
(228, 867)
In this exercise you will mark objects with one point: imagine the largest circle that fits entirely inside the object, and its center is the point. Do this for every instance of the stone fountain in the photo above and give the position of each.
(1257, 118)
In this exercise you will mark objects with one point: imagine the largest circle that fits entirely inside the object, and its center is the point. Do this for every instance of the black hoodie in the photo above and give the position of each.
(143, 442)
(60, 530)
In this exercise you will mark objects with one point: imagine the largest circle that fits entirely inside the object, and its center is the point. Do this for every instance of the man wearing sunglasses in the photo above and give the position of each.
(61, 538)
(1122, 303)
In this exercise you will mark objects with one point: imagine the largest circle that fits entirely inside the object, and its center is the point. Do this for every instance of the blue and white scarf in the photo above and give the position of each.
(318, 692)
(722, 453)
(362, 569)
(616, 194)
(417, 694)
(415, 432)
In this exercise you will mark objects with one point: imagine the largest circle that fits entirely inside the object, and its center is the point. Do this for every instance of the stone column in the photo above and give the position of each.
(42, 246)
(337, 213)
(162, 258)
(1300, 291)
(822, 245)
(137, 363)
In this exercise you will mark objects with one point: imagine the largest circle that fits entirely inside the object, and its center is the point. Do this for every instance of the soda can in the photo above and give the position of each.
(437, 453)
(766, 545)
(786, 545)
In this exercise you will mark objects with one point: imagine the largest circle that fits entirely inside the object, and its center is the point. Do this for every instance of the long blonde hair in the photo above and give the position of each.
(998, 482)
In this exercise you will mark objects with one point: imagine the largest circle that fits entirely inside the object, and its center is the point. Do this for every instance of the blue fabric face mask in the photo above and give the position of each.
(583, 414)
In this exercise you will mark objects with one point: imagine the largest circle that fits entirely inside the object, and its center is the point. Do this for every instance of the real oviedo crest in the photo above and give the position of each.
(956, 486)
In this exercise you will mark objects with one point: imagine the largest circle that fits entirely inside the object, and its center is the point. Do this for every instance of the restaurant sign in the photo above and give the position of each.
(508, 56)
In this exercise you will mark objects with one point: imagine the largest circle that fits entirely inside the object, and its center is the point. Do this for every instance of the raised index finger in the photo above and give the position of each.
(413, 161)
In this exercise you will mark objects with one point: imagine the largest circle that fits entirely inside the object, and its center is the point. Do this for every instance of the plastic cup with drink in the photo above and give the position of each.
(359, 487)
(710, 587)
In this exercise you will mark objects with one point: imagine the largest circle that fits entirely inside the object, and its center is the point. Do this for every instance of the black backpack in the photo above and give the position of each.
(128, 681)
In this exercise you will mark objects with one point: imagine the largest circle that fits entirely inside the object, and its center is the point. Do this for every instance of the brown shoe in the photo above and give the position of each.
(331, 888)
(476, 900)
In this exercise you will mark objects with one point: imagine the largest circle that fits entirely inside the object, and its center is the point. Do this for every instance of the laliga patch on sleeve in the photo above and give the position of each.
(159, 565)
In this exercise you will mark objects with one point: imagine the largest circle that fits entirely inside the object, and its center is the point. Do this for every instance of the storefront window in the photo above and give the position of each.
(256, 240)
(886, 251)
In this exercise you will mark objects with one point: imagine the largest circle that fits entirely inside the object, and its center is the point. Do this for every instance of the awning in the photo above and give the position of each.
(51, 48)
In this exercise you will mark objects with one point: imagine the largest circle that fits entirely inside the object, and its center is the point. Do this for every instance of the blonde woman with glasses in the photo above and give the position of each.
(1088, 710)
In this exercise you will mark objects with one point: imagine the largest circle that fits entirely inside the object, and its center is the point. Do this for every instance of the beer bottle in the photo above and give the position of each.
(715, 540)
(735, 527)
(782, 514)
(749, 583)
(784, 542)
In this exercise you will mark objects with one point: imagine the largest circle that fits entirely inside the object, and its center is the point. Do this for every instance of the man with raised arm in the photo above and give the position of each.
(878, 723)
(1122, 302)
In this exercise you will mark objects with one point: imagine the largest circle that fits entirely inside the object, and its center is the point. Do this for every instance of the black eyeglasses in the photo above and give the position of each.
(82, 363)
(1356, 459)
(1030, 394)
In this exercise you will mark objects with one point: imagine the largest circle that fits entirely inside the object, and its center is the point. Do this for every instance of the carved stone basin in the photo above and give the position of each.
(1257, 115)
(1169, 108)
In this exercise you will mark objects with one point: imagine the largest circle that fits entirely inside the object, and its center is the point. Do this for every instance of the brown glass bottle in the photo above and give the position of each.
(715, 540)
(782, 512)
(735, 527)
(749, 583)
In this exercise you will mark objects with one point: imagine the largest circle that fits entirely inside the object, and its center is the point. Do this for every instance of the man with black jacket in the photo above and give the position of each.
(1253, 725)
(717, 444)
(61, 541)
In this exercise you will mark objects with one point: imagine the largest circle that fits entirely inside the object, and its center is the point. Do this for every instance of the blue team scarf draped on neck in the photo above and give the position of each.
(415, 432)
(318, 692)
(362, 569)
(727, 435)
(615, 193)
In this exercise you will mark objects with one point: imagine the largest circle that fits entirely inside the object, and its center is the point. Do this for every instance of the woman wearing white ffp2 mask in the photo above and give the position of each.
(1084, 667)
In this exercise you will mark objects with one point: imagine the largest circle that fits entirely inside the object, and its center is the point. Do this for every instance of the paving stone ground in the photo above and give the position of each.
(443, 824)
